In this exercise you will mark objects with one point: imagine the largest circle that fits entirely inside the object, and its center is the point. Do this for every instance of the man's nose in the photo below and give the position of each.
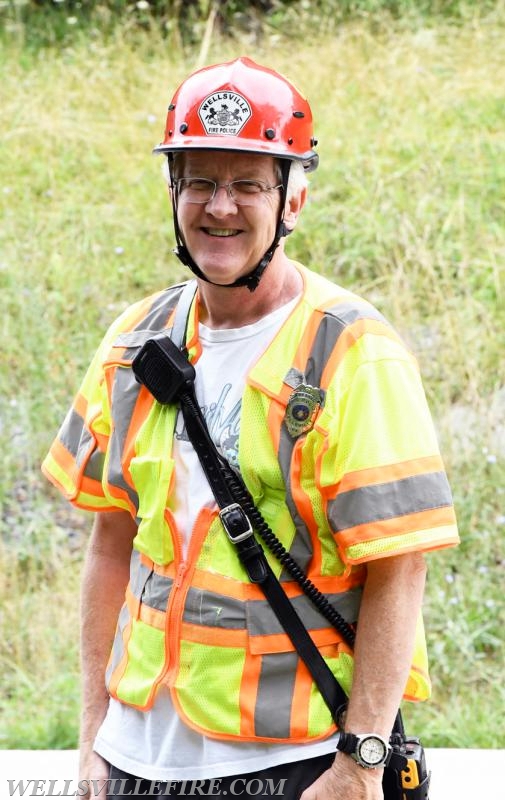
(222, 203)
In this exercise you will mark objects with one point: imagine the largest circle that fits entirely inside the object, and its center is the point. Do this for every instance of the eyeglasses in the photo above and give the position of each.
(243, 192)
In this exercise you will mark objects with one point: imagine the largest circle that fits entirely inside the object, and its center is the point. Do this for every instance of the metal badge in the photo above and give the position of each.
(301, 409)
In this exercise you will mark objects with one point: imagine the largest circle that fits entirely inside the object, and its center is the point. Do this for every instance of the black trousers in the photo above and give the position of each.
(284, 780)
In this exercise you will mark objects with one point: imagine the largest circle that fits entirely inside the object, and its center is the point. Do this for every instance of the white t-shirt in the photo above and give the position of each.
(156, 744)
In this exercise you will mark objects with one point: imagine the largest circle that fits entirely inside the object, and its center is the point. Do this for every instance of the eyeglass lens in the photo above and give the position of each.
(242, 192)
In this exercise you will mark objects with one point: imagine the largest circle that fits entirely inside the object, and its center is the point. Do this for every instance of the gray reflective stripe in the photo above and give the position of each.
(261, 620)
(184, 304)
(333, 323)
(94, 467)
(139, 574)
(118, 644)
(75, 437)
(147, 586)
(275, 687)
(323, 345)
(217, 611)
(124, 396)
(157, 316)
(126, 389)
(388, 500)
(156, 591)
(355, 309)
(301, 546)
(133, 339)
(154, 322)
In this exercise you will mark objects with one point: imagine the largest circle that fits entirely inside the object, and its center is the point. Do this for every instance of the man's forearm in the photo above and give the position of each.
(390, 606)
(391, 602)
(105, 577)
(102, 596)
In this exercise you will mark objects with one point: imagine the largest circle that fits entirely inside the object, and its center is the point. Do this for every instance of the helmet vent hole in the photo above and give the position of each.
(171, 107)
(183, 128)
(290, 140)
(298, 114)
(270, 133)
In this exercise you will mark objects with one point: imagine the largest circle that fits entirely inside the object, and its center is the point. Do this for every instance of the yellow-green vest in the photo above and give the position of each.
(196, 624)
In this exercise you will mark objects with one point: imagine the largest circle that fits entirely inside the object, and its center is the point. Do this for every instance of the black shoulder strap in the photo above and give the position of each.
(240, 532)
(239, 529)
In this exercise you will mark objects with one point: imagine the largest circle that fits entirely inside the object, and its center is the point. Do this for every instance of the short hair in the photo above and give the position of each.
(297, 177)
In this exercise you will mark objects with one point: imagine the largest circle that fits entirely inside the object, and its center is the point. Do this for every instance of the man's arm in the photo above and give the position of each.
(392, 598)
(104, 580)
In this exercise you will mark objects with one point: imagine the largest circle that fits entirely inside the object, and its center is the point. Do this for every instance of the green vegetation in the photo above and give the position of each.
(407, 208)
(183, 23)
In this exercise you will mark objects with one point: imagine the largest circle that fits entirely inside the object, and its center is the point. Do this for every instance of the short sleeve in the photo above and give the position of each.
(75, 461)
(392, 494)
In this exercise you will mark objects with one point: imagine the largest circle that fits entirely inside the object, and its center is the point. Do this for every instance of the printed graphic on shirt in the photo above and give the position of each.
(223, 425)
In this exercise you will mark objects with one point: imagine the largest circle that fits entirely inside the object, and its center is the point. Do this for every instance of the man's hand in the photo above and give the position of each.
(93, 774)
(346, 780)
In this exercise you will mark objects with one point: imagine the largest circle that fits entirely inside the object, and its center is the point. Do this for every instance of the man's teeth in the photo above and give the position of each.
(221, 232)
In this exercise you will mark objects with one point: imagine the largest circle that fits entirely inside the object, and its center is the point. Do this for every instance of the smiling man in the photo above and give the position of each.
(227, 221)
(312, 397)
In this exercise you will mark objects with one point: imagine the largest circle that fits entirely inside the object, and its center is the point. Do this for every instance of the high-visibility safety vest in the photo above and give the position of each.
(360, 478)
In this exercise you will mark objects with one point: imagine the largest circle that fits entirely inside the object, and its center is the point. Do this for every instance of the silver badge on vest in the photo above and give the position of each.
(302, 408)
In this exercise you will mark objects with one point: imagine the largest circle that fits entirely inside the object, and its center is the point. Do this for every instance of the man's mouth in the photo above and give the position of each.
(221, 232)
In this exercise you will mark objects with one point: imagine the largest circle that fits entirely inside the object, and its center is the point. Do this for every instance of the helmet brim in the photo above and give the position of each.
(309, 159)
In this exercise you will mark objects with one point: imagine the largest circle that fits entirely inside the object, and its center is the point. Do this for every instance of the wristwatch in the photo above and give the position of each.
(369, 750)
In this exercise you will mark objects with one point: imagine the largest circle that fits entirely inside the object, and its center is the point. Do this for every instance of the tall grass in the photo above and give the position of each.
(407, 208)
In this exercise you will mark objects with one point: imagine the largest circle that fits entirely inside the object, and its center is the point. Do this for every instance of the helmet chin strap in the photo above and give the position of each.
(252, 279)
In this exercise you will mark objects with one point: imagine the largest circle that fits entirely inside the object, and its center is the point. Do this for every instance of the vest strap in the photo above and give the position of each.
(178, 334)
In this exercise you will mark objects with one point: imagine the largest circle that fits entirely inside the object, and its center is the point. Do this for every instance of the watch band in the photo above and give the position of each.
(369, 750)
(347, 742)
(350, 744)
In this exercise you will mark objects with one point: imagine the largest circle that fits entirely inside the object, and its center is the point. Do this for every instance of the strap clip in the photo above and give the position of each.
(236, 523)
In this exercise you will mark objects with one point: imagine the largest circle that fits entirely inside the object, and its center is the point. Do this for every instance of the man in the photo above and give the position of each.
(311, 394)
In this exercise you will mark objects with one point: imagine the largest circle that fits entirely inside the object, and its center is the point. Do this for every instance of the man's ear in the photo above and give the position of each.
(293, 208)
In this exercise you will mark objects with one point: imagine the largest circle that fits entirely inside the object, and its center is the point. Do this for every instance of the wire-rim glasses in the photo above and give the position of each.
(243, 192)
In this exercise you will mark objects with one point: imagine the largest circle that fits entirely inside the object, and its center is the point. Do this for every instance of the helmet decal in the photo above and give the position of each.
(224, 113)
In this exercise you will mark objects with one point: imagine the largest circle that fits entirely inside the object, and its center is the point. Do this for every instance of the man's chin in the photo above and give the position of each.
(222, 276)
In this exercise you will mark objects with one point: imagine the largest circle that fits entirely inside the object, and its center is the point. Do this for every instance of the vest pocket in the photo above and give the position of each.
(151, 478)
(288, 704)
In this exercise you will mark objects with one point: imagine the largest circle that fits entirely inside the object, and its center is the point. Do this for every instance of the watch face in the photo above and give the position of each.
(372, 750)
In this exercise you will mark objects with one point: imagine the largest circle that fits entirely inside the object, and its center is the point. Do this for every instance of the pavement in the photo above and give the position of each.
(456, 774)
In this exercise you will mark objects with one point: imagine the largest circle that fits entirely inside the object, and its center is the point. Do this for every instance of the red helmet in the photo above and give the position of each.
(240, 106)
